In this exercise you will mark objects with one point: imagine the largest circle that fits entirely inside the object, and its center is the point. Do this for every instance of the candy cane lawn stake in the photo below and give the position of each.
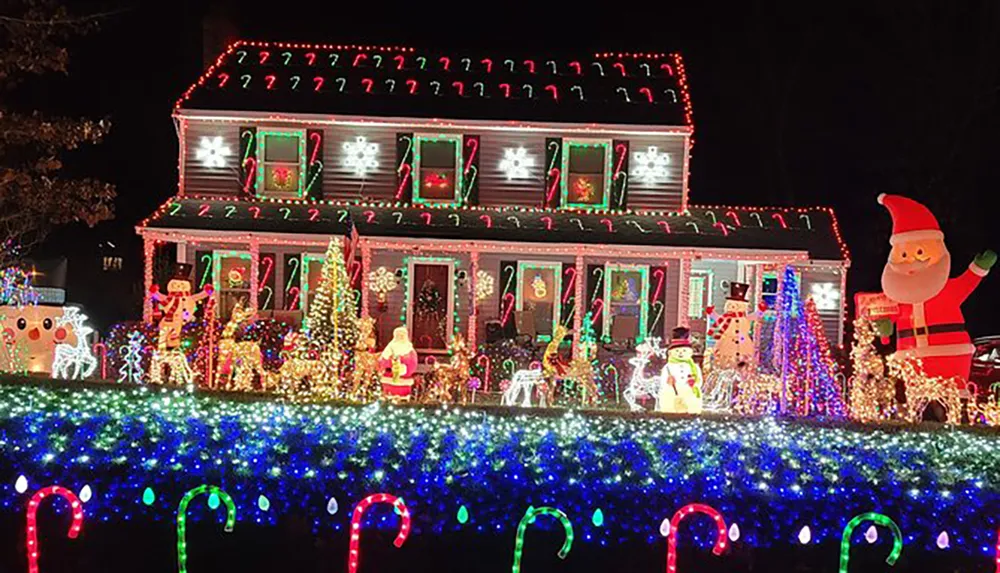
(32, 529)
(997, 553)
(878, 519)
(182, 519)
(529, 516)
(721, 539)
(354, 554)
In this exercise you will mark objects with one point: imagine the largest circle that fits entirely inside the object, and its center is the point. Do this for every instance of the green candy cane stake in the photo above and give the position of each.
(878, 519)
(182, 519)
(529, 516)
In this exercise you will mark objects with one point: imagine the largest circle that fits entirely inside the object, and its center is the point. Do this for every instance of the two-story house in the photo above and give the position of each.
(562, 181)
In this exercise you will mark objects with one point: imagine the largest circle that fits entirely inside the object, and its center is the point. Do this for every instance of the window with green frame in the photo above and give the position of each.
(312, 274)
(586, 174)
(437, 162)
(626, 300)
(281, 168)
(539, 288)
(231, 279)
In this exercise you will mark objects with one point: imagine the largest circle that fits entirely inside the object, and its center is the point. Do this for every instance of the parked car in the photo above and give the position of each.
(986, 362)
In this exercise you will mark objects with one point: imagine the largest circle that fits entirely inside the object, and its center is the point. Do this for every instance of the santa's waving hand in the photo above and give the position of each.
(930, 325)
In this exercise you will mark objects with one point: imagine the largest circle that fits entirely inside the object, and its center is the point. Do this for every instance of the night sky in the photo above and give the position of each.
(792, 106)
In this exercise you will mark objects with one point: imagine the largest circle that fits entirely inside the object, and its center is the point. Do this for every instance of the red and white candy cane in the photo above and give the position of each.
(32, 530)
(484, 361)
(354, 556)
(721, 541)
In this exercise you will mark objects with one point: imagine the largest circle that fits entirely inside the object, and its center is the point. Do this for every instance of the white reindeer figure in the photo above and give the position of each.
(523, 383)
(77, 356)
(640, 384)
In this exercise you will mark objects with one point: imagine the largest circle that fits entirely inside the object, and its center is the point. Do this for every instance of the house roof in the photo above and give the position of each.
(387, 81)
(813, 230)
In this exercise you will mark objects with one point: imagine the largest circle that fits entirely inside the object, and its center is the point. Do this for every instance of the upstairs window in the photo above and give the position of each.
(282, 168)
(586, 181)
(438, 167)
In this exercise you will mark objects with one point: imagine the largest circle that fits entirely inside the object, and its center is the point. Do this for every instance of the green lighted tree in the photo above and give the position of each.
(33, 197)
(332, 323)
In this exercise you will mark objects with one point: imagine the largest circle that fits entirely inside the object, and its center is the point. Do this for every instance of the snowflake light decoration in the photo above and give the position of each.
(825, 295)
(516, 163)
(484, 286)
(381, 281)
(212, 152)
(360, 156)
(651, 165)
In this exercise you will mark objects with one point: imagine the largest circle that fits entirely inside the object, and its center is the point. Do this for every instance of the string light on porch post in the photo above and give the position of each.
(474, 280)
(366, 265)
(148, 251)
(578, 303)
(254, 272)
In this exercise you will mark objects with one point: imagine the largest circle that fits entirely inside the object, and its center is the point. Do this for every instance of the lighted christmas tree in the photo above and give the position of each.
(802, 356)
(131, 356)
(332, 324)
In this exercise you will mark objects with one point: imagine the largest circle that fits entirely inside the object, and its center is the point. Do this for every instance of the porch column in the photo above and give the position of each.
(578, 295)
(842, 315)
(366, 265)
(474, 313)
(254, 272)
(148, 250)
(683, 294)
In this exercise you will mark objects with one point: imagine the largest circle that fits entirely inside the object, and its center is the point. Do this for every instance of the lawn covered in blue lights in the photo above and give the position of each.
(478, 469)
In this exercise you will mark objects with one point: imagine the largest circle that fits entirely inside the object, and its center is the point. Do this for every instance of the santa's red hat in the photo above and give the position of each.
(911, 221)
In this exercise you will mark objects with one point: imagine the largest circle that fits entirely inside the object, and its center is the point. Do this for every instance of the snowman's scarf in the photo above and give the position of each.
(720, 326)
(695, 371)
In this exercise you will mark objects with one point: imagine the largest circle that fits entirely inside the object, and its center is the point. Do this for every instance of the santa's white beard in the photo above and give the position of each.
(924, 284)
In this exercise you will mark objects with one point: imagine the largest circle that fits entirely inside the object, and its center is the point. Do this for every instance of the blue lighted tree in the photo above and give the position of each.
(801, 355)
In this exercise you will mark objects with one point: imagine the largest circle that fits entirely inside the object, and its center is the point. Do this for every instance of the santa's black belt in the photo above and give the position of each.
(934, 329)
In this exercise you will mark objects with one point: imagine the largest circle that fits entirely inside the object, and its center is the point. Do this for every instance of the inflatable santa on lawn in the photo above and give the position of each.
(929, 324)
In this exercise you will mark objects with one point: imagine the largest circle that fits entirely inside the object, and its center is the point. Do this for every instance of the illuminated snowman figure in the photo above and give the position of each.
(178, 305)
(733, 331)
(680, 380)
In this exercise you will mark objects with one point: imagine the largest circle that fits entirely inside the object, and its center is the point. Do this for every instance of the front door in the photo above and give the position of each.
(430, 308)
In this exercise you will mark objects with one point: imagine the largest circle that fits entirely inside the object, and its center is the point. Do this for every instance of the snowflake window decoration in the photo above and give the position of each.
(212, 152)
(381, 281)
(360, 156)
(516, 163)
(825, 295)
(651, 165)
(484, 286)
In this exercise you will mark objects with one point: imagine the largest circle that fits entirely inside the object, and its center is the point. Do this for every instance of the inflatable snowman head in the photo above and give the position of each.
(736, 302)
(30, 335)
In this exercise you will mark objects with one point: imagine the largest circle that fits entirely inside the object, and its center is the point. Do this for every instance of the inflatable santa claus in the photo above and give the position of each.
(929, 324)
